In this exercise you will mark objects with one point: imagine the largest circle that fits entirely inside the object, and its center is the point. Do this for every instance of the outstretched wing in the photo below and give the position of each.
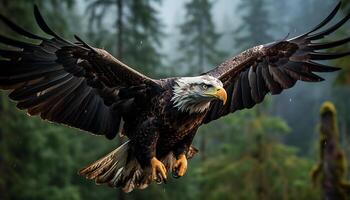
(274, 67)
(72, 84)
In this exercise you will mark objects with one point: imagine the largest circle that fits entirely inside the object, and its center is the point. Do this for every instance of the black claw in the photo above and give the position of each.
(160, 179)
(175, 173)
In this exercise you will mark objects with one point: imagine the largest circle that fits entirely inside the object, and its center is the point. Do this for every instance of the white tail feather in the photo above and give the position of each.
(119, 169)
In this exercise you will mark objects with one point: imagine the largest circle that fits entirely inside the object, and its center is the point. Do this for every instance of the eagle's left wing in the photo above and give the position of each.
(273, 67)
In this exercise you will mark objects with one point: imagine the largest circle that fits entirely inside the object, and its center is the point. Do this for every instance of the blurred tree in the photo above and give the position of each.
(37, 159)
(138, 31)
(97, 10)
(332, 166)
(145, 31)
(344, 77)
(199, 40)
(253, 164)
(255, 28)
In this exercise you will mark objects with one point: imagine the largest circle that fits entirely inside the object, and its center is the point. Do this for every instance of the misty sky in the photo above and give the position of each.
(172, 13)
(225, 17)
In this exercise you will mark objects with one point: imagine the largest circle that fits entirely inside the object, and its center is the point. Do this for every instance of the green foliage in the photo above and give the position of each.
(35, 154)
(257, 166)
(344, 76)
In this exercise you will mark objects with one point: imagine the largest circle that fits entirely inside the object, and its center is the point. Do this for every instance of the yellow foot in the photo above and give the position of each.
(180, 166)
(158, 171)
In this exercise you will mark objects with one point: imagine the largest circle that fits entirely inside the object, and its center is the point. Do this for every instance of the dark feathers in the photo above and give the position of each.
(72, 84)
(276, 66)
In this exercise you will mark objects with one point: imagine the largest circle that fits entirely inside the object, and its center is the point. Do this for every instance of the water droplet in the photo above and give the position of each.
(290, 99)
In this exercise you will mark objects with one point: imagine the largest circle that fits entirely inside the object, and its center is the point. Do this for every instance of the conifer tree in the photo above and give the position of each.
(199, 38)
(97, 11)
(255, 26)
(144, 29)
(138, 31)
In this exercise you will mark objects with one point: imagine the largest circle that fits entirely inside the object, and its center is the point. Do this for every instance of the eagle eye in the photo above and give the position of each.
(205, 86)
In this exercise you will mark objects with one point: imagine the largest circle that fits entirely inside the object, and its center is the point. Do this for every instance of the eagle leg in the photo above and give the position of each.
(180, 166)
(158, 171)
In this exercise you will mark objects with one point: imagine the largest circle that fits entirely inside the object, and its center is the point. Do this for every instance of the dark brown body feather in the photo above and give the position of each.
(159, 125)
(87, 88)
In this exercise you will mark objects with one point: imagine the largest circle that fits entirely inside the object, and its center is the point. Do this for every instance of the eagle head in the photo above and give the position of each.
(194, 94)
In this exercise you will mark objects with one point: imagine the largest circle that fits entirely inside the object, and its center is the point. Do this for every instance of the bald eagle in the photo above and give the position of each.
(87, 88)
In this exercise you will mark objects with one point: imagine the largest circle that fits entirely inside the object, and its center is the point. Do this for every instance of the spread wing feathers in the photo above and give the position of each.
(68, 83)
(273, 67)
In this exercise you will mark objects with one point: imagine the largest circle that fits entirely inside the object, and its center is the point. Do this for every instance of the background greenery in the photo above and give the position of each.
(263, 153)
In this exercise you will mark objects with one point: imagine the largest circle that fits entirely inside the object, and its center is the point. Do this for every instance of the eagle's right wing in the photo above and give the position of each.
(72, 84)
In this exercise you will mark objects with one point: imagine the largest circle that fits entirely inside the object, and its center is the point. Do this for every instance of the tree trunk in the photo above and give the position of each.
(333, 165)
(261, 153)
(201, 67)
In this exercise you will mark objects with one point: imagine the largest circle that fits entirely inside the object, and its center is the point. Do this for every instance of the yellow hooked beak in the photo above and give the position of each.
(220, 93)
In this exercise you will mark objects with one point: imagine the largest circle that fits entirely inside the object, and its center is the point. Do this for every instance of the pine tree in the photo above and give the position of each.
(144, 29)
(199, 39)
(138, 31)
(97, 11)
(255, 27)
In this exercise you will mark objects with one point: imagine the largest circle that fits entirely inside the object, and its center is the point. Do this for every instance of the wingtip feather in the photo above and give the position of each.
(323, 22)
(14, 27)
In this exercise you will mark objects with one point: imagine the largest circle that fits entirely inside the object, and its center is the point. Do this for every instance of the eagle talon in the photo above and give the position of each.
(158, 171)
(180, 166)
(175, 173)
